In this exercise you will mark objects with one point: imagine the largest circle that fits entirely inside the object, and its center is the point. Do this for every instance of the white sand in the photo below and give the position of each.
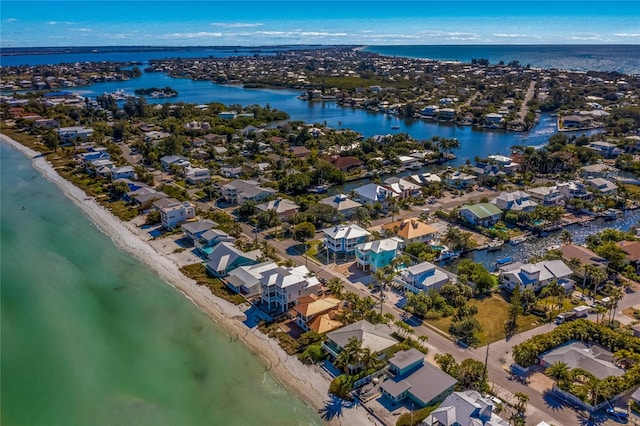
(307, 382)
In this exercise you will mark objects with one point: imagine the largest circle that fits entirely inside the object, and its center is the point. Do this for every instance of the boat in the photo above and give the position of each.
(504, 261)
(611, 214)
(495, 245)
(518, 240)
(396, 125)
(416, 165)
(318, 189)
(118, 95)
(447, 255)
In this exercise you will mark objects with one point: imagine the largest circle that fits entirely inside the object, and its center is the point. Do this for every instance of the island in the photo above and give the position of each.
(154, 92)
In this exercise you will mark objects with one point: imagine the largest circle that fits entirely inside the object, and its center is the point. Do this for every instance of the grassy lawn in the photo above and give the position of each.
(492, 314)
(198, 273)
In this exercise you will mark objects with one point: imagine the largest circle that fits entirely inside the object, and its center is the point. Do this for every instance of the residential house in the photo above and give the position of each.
(100, 167)
(97, 153)
(482, 214)
(606, 149)
(411, 230)
(403, 188)
(282, 287)
(376, 337)
(124, 172)
(591, 357)
(194, 230)
(601, 170)
(343, 239)
(423, 277)
(345, 164)
(196, 175)
(422, 383)
(227, 115)
(210, 238)
(459, 180)
(309, 310)
(374, 255)
(246, 279)
(517, 201)
(240, 191)
(372, 194)
(631, 251)
(300, 151)
(426, 178)
(231, 172)
(584, 255)
(602, 185)
(71, 135)
(175, 215)
(284, 208)
(144, 196)
(163, 203)
(536, 275)
(225, 257)
(546, 196)
(575, 122)
(345, 206)
(465, 408)
(574, 190)
(487, 172)
(174, 160)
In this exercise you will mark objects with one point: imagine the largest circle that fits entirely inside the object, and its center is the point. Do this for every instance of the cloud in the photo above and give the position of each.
(585, 37)
(200, 34)
(237, 24)
(627, 34)
(508, 35)
(300, 33)
(82, 30)
(60, 22)
(449, 35)
(10, 20)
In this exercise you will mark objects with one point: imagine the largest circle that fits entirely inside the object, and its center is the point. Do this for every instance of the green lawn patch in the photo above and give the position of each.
(407, 419)
(492, 314)
(198, 272)
(122, 210)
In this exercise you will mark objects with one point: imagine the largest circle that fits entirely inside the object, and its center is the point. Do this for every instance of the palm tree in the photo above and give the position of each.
(362, 216)
(521, 405)
(350, 355)
(616, 295)
(368, 359)
(600, 313)
(336, 286)
(557, 291)
(565, 237)
(558, 371)
(597, 277)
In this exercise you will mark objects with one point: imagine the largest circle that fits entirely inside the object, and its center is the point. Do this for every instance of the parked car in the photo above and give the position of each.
(619, 414)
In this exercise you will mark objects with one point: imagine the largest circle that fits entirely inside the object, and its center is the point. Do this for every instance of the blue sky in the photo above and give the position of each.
(250, 23)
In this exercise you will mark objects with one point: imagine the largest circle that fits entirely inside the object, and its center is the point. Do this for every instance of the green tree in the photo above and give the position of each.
(558, 371)
(515, 309)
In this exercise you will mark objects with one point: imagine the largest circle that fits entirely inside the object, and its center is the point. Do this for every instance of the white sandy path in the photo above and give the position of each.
(306, 382)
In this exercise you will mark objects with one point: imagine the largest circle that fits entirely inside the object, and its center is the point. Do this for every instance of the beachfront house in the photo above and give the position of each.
(319, 314)
(240, 191)
(481, 214)
(210, 238)
(343, 239)
(124, 172)
(194, 230)
(144, 197)
(284, 208)
(376, 337)
(174, 215)
(345, 206)
(536, 276)
(71, 135)
(280, 288)
(411, 378)
(411, 230)
(518, 201)
(225, 257)
(373, 255)
(246, 279)
(423, 277)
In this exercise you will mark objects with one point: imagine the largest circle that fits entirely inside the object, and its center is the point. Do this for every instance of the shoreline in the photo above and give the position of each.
(304, 381)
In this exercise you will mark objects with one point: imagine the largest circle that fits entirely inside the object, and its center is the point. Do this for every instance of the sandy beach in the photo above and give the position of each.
(305, 381)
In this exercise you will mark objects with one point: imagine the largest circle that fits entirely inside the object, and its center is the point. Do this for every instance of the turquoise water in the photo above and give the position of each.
(92, 337)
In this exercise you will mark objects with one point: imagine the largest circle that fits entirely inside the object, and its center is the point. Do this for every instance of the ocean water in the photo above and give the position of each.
(605, 57)
(91, 337)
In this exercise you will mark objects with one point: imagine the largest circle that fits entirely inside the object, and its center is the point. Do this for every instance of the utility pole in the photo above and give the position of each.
(486, 361)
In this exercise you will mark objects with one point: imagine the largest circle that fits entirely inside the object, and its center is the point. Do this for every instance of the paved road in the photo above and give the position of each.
(539, 408)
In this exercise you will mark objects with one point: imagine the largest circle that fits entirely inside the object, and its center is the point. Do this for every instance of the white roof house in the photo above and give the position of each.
(281, 287)
(424, 276)
(372, 193)
(225, 257)
(342, 203)
(465, 408)
(517, 201)
(536, 275)
(344, 238)
(284, 208)
(246, 279)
